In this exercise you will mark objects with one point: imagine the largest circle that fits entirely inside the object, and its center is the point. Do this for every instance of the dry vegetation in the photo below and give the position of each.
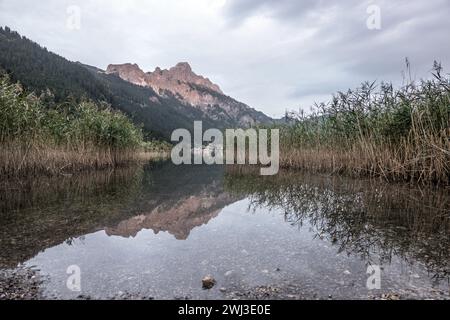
(400, 135)
(39, 136)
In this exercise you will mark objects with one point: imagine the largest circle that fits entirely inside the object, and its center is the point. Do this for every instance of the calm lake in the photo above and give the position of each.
(155, 231)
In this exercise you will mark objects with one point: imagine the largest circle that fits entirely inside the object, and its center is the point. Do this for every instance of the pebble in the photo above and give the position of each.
(228, 273)
(208, 282)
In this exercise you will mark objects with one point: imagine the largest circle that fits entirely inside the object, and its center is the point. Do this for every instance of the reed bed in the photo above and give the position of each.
(398, 134)
(19, 159)
(39, 136)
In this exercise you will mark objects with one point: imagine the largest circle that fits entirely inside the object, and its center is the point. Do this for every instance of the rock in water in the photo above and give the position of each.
(208, 282)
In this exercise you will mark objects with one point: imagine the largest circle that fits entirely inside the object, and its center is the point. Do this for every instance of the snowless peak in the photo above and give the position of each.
(129, 72)
(183, 84)
(183, 66)
(180, 80)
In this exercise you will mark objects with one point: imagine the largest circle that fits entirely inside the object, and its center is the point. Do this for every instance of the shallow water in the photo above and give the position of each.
(156, 231)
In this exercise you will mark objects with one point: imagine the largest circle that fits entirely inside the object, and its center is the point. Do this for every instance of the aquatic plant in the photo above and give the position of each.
(398, 134)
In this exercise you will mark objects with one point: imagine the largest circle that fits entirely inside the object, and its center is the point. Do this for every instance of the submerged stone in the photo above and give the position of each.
(208, 282)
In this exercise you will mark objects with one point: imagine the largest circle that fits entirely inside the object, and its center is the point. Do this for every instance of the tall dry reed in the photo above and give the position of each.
(397, 134)
(39, 136)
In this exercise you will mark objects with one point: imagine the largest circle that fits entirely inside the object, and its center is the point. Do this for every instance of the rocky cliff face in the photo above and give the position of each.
(178, 78)
(129, 72)
(191, 89)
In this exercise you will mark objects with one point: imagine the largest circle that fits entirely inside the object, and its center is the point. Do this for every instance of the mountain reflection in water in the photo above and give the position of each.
(41, 213)
(368, 221)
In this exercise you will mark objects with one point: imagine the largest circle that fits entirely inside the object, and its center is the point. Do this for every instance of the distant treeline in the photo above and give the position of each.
(397, 134)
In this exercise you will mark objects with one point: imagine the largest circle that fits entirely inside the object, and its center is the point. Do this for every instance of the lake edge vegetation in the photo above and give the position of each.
(396, 134)
(39, 136)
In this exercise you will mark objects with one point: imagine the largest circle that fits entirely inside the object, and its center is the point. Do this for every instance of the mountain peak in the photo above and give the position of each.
(178, 79)
(183, 66)
(112, 68)
(128, 72)
(191, 89)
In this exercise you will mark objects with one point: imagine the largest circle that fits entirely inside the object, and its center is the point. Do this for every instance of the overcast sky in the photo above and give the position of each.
(271, 55)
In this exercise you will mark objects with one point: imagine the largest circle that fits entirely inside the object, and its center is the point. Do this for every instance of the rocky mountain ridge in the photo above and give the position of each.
(191, 89)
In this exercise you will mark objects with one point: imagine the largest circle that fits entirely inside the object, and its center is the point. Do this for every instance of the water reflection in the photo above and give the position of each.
(370, 219)
(161, 228)
(40, 213)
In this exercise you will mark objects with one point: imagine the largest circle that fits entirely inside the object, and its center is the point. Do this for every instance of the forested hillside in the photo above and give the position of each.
(42, 71)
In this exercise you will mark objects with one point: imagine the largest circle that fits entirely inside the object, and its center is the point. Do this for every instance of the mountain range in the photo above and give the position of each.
(161, 101)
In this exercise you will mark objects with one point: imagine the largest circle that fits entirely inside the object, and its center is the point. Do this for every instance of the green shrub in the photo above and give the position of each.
(26, 118)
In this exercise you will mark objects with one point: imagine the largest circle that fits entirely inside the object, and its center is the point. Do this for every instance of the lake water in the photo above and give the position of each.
(155, 231)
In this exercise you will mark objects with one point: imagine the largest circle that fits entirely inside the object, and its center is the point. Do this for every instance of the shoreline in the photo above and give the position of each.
(58, 161)
(23, 283)
(64, 167)
(357, 165)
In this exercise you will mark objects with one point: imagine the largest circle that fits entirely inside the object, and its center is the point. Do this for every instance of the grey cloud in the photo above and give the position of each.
(238, 10)
(300, 51)
(413, 29)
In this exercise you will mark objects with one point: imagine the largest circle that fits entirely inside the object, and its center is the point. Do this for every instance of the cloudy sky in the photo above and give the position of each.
(271, 55)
